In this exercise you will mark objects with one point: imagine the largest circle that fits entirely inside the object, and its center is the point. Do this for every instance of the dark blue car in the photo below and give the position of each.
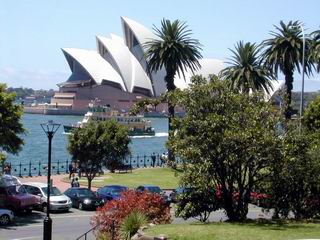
(150, 188)
(111, 192)
(154, 189)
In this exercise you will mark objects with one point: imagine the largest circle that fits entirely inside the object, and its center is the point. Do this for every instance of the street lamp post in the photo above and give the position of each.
(303, 68)
(50, 129)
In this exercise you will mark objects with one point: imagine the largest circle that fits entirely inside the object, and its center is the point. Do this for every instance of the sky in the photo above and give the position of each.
(32, 32)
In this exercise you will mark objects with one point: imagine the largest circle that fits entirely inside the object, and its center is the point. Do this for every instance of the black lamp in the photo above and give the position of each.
(50, 129)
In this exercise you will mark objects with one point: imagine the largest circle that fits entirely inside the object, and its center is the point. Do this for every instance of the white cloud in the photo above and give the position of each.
(36, 79)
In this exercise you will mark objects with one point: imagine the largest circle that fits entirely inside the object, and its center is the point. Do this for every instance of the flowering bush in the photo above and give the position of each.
(111, 215)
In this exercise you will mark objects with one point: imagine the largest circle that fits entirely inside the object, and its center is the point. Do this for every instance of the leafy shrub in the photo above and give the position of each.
(131, 224)
(114, 212)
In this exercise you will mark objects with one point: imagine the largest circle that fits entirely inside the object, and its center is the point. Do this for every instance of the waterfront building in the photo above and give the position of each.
(116, 73)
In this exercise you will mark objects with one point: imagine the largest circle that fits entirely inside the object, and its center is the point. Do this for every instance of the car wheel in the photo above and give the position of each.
(4, 219)
(80, 206)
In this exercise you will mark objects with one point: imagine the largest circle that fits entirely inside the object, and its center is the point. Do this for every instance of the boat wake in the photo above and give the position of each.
(161, 134)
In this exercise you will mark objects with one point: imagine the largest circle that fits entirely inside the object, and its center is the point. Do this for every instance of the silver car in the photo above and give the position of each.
(6, 216)
(58, 201)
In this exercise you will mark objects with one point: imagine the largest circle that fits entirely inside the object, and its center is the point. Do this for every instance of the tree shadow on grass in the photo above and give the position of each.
(278, 225)
(265, 224)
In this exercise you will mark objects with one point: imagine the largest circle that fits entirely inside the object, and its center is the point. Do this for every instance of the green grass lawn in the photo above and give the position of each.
(162, 177)
(247, 231)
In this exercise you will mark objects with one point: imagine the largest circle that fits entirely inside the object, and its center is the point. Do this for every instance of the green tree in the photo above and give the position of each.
(295, 182)
(311, 118)
(246, 72)
(11, 127)
(228, 137)
(175, 51)
(97, 144)
(284, 52)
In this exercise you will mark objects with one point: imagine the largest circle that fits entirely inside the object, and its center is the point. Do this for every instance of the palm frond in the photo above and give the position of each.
(246, 71)
(175, 50)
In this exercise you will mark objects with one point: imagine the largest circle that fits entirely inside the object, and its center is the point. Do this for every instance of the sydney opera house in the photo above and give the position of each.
(116, 73)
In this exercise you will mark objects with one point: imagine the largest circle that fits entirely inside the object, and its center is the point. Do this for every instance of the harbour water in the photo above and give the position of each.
(36, 142)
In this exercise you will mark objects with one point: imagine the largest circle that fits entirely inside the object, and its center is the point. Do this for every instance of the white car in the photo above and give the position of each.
(58, 201)
(6, 216)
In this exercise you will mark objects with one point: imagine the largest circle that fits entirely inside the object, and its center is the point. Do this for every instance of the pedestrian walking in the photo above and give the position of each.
(75, 183)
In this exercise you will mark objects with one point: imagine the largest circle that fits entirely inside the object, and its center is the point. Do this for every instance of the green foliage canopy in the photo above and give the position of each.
(97, 144)
(226, 139)
(10, 123)
(294, 179)
(311, 118)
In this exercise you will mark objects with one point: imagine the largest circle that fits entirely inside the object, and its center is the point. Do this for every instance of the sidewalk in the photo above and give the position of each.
(56, 179)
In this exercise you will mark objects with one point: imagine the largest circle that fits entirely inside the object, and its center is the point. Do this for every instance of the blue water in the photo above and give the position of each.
(36, 142)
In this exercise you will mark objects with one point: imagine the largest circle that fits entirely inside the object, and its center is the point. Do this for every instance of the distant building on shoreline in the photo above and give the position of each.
(116, 73)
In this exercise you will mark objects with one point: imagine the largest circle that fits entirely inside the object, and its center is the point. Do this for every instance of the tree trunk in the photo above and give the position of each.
(89, 183)
(288, 86)
(228, 204)
(169, 79)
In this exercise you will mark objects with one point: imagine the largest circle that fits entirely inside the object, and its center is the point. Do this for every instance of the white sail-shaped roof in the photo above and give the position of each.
(276, 86)
(141, 33)
(120, 62)
(99, 69)
(117, 38)
(129, 68)
(208, 66)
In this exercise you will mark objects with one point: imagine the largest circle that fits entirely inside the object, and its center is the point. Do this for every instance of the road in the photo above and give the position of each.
(66, 226)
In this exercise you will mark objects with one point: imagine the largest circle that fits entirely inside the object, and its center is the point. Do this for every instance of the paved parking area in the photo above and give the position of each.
(64, 226)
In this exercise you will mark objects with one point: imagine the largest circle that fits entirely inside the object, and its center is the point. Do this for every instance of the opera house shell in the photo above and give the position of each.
(116, 73)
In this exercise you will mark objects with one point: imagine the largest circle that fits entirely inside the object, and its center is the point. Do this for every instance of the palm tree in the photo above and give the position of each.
(246, 72)
(175, 51)
(315, 49)
(284, 52)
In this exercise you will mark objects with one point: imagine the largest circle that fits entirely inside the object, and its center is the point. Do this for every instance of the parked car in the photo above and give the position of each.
(111, 192)
(6, 216)
(58, 201)
(154, 189)
(14, 196)
(83, 198)
(150, 188)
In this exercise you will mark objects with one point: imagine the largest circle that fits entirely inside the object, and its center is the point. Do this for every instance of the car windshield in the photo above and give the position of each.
(53, 191)
(17, 189)
(154, 189)
(83, 192)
